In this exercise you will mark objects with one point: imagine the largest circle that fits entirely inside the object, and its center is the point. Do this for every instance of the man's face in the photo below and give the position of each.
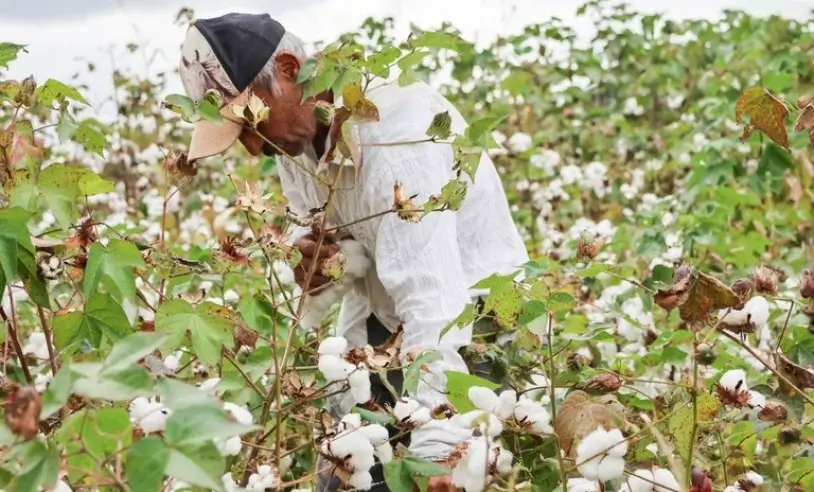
(291, 125)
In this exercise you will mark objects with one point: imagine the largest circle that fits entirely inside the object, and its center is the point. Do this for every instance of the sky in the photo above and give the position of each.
(63, 35)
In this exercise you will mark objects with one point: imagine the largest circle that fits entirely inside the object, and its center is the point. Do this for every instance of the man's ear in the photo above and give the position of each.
(288, 65)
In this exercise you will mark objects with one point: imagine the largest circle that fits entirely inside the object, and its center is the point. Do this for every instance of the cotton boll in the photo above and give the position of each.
(581, 485)
(666, 480)
(375, 433)
(758, 310)
(229, 447)
(241, 414)
(519, 142)
(404, 407)
(487, 423)
(358, 378)
(361, 480)
(599, 455)
(733, 380)
(384, 452)
(504, 461)
(333, 346)
(505, 405)
(421, 416)
(483, 398)
(264, 470)
(756, 400)
(477, 456)
(210, 386)
(173, 361)
(334, 369)
(363, 457)
(734, 317)
(754, 478)
(351, 421)
(361, 394)
(42, 380)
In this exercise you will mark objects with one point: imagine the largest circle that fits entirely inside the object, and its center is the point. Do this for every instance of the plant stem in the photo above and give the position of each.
(15, 336)
(48, 340)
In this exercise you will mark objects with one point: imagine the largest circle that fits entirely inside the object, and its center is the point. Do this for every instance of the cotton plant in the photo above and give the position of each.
(335, 368)
(750, 482)
(483, 460)
(493, 410)
(732, 389)
(355, 448)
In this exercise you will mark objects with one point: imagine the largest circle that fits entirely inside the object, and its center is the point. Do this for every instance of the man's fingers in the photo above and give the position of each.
(309, 248)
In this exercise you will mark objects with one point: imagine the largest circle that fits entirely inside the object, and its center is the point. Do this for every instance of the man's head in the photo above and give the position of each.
(239, 54)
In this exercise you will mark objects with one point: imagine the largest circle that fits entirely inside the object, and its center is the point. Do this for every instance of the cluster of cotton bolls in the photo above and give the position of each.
(601, 455)
(655, 480)
(755, 312)
(355, 448)
(483, 458)
(334, 368)
(493, 410)
(635, 186)
(231, 446)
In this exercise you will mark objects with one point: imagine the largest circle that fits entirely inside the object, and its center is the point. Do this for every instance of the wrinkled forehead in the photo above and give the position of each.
(200, 69)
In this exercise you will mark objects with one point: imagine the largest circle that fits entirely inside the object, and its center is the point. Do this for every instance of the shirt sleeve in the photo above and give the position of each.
(419, 265)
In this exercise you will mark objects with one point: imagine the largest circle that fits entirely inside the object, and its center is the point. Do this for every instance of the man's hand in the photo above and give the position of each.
(307, 245)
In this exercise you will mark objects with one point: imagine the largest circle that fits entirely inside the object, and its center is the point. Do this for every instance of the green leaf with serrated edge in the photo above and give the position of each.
(306, 70)
(146, 461)
(176, 395)
(54, 90)
(17, 254)
(208, 330)
(102, 317)
(466, 318)
(199, 465)
(57, 393)
(412, 374)
(458, 384)
(93, 184)
(113, 267)
(435, 39)
(411, 59)
(416, 465)
(106, 431)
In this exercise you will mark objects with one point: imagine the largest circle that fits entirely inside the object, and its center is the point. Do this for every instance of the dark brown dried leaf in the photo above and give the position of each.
(774, 411)
(802, 377)
(605, 383)
(807, 285)
(696, 295)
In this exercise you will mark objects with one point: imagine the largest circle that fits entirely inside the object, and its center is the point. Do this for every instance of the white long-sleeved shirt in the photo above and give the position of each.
(422, 271)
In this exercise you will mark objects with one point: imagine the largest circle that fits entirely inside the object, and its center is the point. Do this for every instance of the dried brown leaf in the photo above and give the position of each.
(802, 377)
(578, 416)
(22, 412)
(697, 295)
(766, 113)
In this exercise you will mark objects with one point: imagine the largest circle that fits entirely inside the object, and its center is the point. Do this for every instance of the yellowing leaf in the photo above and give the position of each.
(696, 295)
(360, 107)
(766, 113)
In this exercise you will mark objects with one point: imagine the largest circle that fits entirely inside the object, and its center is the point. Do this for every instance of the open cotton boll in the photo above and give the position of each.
(505, 404)
(241, 414)
(487, 423)
(658, 480)
(375, 433)
(420, 416)
(384, 452)
(333, 346)
(582, 485)
(519, 142)
(210, 386)
(351, 421)
(173, 361)
(361, 391)
(756, 400)
(483, 398)
(600, 455)
(528, 411)
(758, 310)
(754, 478)
(334, 368)
(404, 407)
(61, 486)
(733, 380)
(361, 480)
(228, 447)
(149, 415)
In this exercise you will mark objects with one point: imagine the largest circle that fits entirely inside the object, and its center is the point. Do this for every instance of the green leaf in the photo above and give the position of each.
(375, 417)
(106, 431)
(412, 374)
(54, 90)
(102, 317)
(560, 301)
(113, 266)
(176, 395)
(458, 384)
(208, 329)
(479, 132)
(93, 184)
(200, 424)
(17, 254)
(131, 349)
(146, 461)
(40, 469)
(180, 104)
(209, 107)
(122, 385)
(416, 465)
(410, 60)
(201, 466)
(91, 137)
(59, 186)
(9, 52)
(440, 126)
(57, 393)
(397, 477)
(306, 70)
(443, 40)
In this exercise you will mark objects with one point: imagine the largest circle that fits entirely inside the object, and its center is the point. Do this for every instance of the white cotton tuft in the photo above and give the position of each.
(754, 478)
(361, 394)
(658, 480)
(361, 480)
(600, 455)
(404, 407)
(505, 404)
(210, 386)
(173, 361)
(483, 398)
(582, 485)
(519, 142)
(375, 433)
(333, 346)
(351, 421)
(487, 423)
(241, 414)
(384, 452)
(334, 368)
(758, 310)
(421, 416)
(533, 413)
(228, 447)
(151, 416)
(359, 377)
(733, 380)
(756, 400)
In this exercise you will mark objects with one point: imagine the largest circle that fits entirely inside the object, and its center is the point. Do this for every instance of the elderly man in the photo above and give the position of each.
(423, 270)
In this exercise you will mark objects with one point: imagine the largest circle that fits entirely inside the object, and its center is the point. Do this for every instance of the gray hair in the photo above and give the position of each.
(290, 44)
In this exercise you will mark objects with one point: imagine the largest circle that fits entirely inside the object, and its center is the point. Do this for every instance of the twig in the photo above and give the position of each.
(48, 339)
(15, 337)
